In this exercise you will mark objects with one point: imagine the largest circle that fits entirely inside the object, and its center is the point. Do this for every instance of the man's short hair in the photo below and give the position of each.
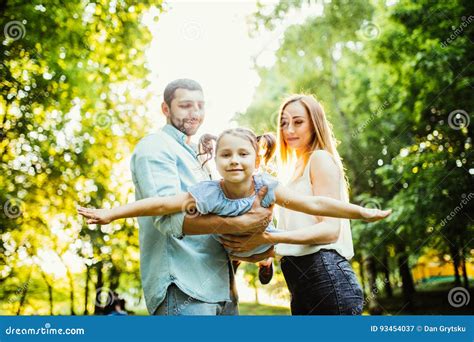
(183, 83)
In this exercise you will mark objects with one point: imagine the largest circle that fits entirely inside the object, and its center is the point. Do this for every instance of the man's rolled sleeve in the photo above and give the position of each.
(157, 175)
(170, 224)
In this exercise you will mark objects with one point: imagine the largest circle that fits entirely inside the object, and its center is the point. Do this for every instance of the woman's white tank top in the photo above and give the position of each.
(290, 220)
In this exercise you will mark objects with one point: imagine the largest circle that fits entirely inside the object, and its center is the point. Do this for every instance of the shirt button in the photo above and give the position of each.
(172, 277)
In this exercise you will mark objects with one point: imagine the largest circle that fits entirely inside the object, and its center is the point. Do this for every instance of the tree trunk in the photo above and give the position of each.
(408, 289)
(334, 84)
(86, 290)
(362, 278)
(387, 284)
(99, 284)
(71, 292)
(24, 292)
(464, 270)
(51, 303)
(373, 304)
(50, 292)
(455, 255)
(256, 294)
(114, 277)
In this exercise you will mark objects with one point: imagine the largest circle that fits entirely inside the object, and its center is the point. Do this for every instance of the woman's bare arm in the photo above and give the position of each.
(325, 176)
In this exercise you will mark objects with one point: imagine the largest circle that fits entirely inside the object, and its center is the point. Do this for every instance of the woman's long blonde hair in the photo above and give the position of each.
(323, 136)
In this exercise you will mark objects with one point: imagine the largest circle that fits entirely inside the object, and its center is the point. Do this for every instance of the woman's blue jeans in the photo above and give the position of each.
(322, 283)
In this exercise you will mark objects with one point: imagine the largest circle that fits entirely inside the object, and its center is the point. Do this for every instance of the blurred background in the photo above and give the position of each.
(81, 83)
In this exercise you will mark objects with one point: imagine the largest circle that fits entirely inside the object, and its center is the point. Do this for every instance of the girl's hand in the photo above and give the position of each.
(256, 257)
(244, 243)
(372, 215)
(96, 216)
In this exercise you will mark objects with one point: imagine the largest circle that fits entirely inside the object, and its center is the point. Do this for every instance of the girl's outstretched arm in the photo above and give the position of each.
(153, 206)
(326, 206)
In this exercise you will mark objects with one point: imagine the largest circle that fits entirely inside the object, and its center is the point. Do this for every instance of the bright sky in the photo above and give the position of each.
(209, 42)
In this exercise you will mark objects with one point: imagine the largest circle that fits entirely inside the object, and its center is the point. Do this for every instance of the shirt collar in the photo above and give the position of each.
(175, 133)
(180, 137)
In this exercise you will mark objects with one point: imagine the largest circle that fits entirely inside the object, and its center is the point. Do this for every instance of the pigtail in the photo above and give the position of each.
(266, 147)
(206, 147)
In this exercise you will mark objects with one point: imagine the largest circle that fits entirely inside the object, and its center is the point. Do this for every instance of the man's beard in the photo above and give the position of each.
(184, 126)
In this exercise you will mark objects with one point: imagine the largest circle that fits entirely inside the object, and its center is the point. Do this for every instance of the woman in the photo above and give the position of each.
(316, 266)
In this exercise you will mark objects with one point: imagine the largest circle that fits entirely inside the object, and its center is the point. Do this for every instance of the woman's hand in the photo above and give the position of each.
(256, 257)
(372, 215)
(244, 243)
(96, 216)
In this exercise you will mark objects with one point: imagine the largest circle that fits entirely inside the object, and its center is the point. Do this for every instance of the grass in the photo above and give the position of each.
(430, 298)
(247, 309)
(254, 309)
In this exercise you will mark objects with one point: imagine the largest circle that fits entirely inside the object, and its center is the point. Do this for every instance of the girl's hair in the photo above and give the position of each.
(264, 145)
(322, 138)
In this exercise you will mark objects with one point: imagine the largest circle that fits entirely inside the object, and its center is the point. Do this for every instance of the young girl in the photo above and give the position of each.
(237, 157)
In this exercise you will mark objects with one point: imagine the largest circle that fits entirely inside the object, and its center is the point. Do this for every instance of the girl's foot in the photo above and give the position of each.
(265, 273)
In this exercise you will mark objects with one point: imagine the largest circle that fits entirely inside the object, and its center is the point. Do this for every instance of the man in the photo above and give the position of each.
(184, 270)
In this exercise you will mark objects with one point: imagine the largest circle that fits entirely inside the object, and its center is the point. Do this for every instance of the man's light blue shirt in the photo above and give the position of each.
(164, 165)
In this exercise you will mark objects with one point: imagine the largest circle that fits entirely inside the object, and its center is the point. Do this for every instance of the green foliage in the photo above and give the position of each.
(71, 107)
(396, 90)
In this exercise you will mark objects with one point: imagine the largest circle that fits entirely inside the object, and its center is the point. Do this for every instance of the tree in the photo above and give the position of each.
(72, 104)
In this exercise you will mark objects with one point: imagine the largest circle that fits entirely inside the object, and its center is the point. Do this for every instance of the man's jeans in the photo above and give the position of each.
(177, 303)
